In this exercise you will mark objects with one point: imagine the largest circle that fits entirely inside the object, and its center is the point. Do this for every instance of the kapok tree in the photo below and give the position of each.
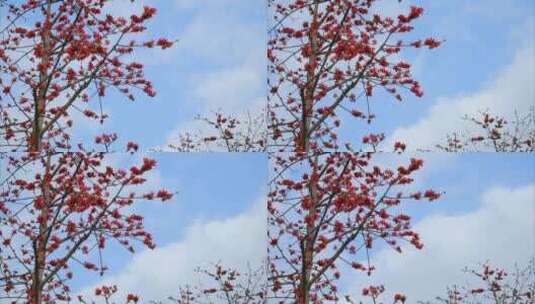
(330, 214)
(329, 57)
(494, 133)
(58, 57)
(60, 214)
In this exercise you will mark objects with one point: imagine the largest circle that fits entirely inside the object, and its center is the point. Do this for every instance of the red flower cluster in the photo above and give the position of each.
(75, 52)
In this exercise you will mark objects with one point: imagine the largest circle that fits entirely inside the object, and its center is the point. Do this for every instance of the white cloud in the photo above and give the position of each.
(234, 241)
(233, 48)
(500, 231)
(189, 4)
(220, 37)
(392, 8)
(511, 90)
(229, 89)
(126, 8)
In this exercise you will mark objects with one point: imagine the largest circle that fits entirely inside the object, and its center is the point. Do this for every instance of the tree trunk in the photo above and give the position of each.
(42, 86)
(40, 243)
(304, 145)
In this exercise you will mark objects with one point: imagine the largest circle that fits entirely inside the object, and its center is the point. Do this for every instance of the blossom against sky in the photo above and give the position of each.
(485, 214)
(219, 207)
